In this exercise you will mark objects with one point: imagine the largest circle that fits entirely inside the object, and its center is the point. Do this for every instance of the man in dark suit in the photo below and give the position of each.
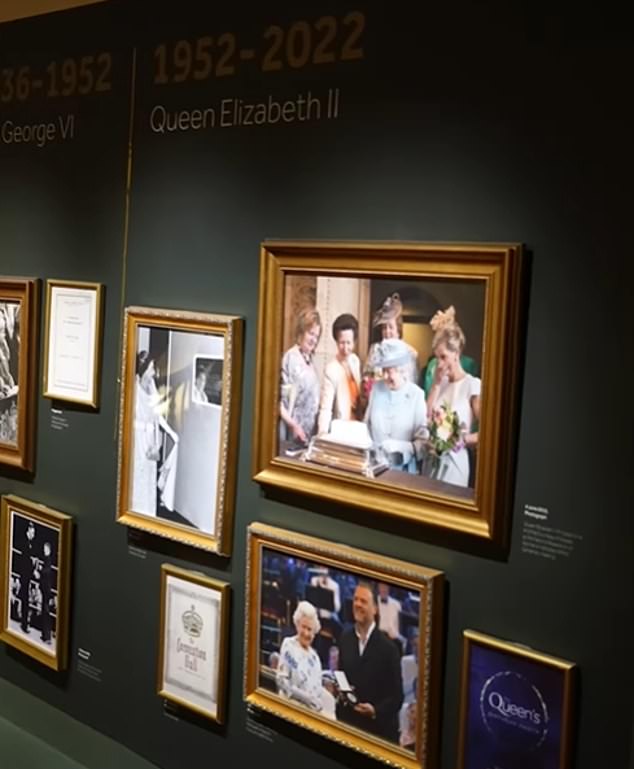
(25, 570)
(371, 664)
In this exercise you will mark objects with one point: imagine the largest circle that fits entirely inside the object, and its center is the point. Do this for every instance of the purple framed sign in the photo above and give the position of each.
(516, 704)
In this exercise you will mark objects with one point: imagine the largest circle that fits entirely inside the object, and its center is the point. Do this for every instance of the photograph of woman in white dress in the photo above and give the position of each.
(299, 671)
(149, 424)
(457, 392)
(177, 426)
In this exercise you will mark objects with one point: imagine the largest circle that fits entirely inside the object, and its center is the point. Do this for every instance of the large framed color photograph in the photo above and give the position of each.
(35, 543)
(72, 352)
(178, 426)
(19, 315)
(193, 643)
(516, 706)
(345, 643)
(387, 377)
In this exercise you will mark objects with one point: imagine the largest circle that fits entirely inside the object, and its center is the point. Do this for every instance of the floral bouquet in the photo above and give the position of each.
(446, 435)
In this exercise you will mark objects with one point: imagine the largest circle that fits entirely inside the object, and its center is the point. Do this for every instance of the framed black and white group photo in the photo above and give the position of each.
(35, 542)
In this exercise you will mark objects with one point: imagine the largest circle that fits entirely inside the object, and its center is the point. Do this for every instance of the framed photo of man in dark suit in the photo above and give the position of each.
(345, 643)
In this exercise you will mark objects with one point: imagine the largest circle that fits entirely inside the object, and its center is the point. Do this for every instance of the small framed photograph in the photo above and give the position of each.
(345, 643)
(178, 425)
(35, 542)
(387, 378)
(19, 320)
(516, 706)
(193, 642)
(72, 353)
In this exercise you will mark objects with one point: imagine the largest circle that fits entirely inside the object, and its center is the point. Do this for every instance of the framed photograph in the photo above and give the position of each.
(18, 365)
(35, 542)
(387, 378)
(178, 426)
(345, 643)
(72, 353)
(516, 706)
(193, 642)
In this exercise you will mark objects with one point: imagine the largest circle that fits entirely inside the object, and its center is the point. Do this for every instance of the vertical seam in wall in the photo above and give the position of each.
(126, 227)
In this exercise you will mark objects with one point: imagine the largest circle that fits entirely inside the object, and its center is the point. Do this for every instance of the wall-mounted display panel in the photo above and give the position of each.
(516, 706)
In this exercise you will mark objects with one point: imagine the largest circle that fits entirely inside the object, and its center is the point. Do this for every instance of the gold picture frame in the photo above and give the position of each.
(384, 704)
(35, 542)
(178, 425)
(353, 453)
(73, 341)
(516, 705)
(193, 641)
(19, 330)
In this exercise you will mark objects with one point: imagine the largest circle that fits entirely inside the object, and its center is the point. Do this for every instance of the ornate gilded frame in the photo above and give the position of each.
(91, 397)
(56, 659)
(562, 669)
(495, 269)
(24, 291)
(426, 583)
(219, 537)
(219, 654)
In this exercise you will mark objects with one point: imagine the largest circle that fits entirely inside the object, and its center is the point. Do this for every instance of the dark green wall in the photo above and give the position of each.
(463, 123)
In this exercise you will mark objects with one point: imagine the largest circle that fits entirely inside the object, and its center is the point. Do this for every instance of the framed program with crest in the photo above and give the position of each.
(193, 641)
(516, 706)
(35, 549)
(345, 643)
(19, 312)
(178, 425)
(387, 378)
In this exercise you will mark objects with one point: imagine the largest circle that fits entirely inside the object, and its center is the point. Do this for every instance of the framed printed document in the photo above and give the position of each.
(193, 641)
(35, 544)
(73, 341)
(19, 323)
(178, 425)
(309, 603)
(516, 706)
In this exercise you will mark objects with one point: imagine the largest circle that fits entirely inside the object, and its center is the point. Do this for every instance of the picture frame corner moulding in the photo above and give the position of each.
(36, 542)
(73, 341)
(321, 408)
(180, 401)
(516, 704)
(19, 336)
(309, 677)
(193, 641)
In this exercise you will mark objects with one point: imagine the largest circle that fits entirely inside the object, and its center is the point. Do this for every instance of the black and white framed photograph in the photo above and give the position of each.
(178, 424)
(35, 579)
(18, 361)
(193, 641)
